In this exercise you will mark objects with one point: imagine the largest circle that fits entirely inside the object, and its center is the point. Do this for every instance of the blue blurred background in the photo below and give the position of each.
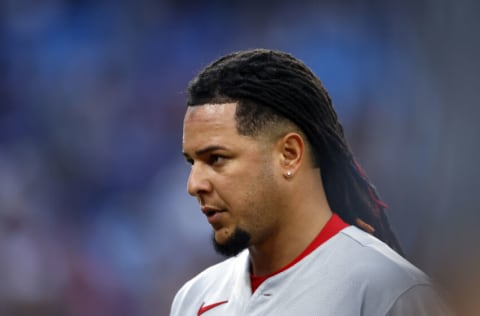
(94, 214)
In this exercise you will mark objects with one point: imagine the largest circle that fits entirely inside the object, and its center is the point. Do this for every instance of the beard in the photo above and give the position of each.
(239, 241)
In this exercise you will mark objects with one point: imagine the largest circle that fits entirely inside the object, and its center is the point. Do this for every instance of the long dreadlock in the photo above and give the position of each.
(270, 86)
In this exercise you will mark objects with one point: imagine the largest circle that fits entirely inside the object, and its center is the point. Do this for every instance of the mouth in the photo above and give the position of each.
(210, 211)
(212, 214)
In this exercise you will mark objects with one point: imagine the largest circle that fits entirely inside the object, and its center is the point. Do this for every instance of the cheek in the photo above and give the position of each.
(249, 190)
(241, 196)
(261, 196)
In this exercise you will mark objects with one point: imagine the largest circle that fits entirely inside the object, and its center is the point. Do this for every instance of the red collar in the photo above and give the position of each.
(331, 228)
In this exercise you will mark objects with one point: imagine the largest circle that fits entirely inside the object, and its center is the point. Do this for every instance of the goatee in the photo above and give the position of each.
(234, 245)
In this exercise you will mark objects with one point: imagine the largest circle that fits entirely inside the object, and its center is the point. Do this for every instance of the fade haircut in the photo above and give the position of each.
(271, 87)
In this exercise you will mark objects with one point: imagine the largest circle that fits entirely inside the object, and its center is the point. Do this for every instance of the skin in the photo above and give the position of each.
(241, 182)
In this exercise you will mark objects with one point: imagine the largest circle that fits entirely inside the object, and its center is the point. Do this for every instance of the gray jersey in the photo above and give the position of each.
(352, 273)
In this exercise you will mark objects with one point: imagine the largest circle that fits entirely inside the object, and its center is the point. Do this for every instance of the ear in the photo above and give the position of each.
(292, 150)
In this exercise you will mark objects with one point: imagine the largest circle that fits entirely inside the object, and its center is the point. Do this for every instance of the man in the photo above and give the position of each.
(287, 201)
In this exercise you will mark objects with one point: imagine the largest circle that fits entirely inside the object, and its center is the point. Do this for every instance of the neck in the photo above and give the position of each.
(302, 219)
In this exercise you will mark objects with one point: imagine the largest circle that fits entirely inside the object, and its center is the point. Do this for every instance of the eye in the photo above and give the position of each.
(189, 161)
(215, 159)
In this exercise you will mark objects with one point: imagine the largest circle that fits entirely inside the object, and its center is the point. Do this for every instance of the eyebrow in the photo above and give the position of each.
(205, 150)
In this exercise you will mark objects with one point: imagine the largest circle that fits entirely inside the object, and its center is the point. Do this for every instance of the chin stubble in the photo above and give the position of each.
(234, 245)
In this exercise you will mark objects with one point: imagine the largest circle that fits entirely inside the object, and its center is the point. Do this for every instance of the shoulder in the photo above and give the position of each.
(420, 300)
(374, 258)
(382, 279)
(214, 281)
(214, 274)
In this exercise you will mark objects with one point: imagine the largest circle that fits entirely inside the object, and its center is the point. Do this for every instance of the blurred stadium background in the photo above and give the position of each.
(94, 215)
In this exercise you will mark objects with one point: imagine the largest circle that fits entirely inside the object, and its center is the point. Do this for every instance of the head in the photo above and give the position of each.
(239, 179)
(274, 93)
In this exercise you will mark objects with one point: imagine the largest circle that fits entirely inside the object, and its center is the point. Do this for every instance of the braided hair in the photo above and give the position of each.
(271, 86)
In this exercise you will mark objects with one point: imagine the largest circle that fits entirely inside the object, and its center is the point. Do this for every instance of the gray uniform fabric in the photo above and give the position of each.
(353, 273)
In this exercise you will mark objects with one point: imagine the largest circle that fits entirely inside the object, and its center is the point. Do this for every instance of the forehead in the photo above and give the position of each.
(211, 113)
(209, 123)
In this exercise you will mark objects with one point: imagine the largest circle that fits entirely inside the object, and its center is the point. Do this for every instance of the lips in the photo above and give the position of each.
(213, 214)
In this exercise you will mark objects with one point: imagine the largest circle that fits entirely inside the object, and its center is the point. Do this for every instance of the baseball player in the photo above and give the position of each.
(304, 229)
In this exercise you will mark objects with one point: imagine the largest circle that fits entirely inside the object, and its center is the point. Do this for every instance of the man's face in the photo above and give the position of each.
(232, 176)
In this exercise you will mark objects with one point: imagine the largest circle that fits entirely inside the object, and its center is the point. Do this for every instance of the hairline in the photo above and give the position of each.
(270, 131)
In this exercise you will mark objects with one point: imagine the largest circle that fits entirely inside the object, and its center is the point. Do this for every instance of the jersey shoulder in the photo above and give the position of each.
(215, 282)
(377, 260)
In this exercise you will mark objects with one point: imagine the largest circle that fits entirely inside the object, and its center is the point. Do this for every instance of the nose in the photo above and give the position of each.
(198, 181)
